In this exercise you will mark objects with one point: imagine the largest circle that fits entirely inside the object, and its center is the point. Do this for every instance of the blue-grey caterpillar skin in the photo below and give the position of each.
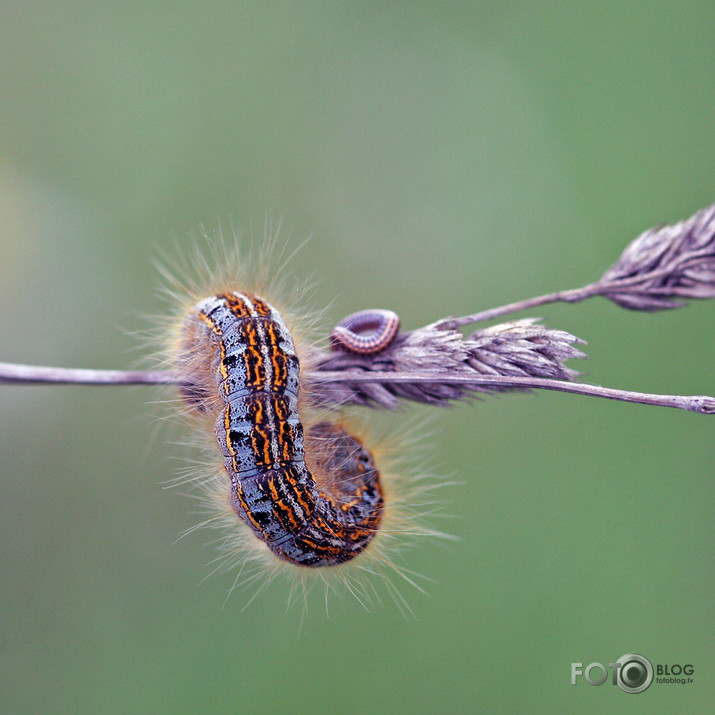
(244, 355)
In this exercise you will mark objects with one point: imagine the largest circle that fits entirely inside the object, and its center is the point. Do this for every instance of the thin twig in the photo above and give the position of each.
(566, 296)
(656, 268)
(35, 374)
(14, 373)
(702, 404)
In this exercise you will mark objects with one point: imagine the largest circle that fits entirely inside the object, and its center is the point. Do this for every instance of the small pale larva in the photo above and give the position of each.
(366, 332)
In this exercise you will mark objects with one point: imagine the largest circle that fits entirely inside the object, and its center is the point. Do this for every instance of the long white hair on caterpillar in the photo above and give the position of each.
(291, 485)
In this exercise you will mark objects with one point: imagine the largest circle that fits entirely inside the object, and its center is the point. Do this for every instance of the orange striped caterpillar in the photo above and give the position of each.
(297, 486)
(252, 368)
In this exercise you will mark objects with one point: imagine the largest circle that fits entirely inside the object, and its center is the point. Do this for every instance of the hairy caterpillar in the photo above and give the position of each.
(319, 518)
(296, 486)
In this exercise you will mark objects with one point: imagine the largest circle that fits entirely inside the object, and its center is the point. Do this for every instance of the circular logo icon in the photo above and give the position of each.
(635, 674)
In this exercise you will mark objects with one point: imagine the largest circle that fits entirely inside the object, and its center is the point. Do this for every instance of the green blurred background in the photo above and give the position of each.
(446, 158)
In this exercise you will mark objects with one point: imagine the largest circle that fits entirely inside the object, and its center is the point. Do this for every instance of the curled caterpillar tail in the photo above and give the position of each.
(313, 498)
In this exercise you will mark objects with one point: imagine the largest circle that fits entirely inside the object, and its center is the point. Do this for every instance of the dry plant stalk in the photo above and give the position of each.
(664, 264)
(434, 356)
(436, 364)
(656, 268)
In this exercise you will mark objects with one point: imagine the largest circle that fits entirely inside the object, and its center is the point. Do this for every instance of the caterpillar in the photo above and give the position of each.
(293, 488)
(252, 366)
